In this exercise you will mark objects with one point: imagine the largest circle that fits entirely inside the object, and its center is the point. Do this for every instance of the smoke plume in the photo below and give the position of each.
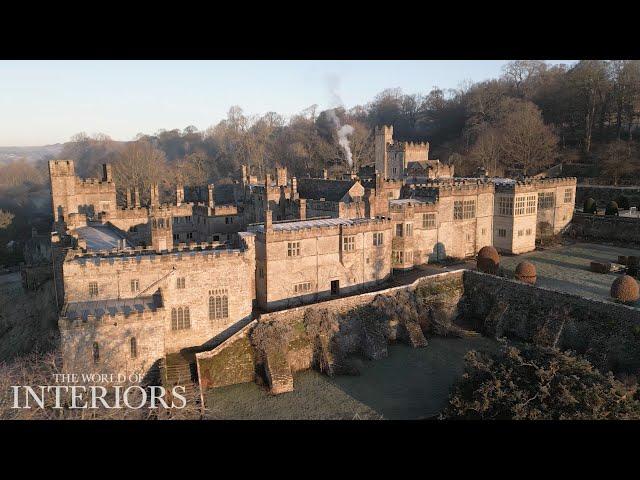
(343, 131)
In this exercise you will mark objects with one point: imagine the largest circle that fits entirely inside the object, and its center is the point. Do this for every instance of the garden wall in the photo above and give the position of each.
(604, 194)
(607, 333)
(605, 227)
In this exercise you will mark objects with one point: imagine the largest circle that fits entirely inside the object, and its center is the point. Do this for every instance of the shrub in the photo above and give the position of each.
(526, 272)
(590, 206)
(538, 383)
(612, 209)
(625, 289)
(488, 260)
(623, 202)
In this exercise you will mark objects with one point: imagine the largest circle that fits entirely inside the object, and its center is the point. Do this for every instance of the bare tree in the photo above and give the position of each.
(525, 139)
(617, 160)
(140, 164)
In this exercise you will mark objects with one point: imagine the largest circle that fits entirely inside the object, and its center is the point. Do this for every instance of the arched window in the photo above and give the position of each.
(134, 347)
(174, 319)
(218, 304)
(96, 352)
(180, 318)
(187, 320)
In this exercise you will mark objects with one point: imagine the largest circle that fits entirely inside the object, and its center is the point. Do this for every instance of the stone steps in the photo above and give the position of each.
(278, 374)
(412, 334)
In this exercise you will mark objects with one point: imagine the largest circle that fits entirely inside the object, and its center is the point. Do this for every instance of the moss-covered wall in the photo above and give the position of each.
(231, 362)
(237, 360)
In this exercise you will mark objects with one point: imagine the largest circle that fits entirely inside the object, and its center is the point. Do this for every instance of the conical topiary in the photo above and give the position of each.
(526, 272)
(590, 206)
(625, 289)
(612, 209)
(488, 260)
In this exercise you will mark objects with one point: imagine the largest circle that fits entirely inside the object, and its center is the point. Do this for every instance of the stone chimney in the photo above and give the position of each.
(155, 197)
(136, 197)
(268, 220)
(179, 194)
(303, 209)
(245, 174)
(106, 173)
(128, 198)
(294, 186)
(281, 176)
(325, 173)
(211, 198)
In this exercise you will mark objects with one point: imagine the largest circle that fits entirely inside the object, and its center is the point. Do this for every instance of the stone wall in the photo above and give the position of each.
(607, 333)
(605, 227)
(353, 331)
(605, 194)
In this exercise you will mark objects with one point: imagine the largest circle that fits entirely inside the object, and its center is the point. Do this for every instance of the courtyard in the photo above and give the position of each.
(566, 268)
(408, 384)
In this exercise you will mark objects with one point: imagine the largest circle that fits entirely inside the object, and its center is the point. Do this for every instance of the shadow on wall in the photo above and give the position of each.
(439, 252)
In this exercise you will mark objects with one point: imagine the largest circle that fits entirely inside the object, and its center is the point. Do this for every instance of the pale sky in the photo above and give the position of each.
(45, 102)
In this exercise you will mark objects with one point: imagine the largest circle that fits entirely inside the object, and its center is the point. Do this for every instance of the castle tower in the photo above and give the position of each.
(383, 138)
(63, 187)
(161, 225)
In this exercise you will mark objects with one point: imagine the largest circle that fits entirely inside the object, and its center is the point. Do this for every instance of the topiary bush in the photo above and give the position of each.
(625, 289)
(612, 209)
(526, 272)
(590, 206)
(537, 383)
(488, 260)
(623, 202)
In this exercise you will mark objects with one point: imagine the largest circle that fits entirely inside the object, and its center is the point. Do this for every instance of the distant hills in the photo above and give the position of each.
(32, 154)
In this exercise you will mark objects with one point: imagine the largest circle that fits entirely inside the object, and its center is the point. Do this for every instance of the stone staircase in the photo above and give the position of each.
(278, 374)
(177, 369)
(374, 344)
(412, 334)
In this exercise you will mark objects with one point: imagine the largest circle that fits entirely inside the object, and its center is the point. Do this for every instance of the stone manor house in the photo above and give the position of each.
(137, 282)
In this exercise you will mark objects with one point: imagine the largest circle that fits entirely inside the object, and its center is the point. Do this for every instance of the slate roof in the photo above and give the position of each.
(99, 308)
(100, 237)
(303, 224)
(318, 188)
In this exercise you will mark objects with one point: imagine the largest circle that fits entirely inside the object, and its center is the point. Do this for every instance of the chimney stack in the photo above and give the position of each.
(268, 220)
(294, 186)
(281, 176)
(128, 198)
(136, 197)
(303, 209)
(211, 195)
(106, 172)
(325, 174)
(155, 198)
(179, 194)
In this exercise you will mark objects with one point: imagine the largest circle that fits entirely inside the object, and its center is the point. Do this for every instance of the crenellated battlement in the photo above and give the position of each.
(115, 319)
(530, 184)
(203, 249)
